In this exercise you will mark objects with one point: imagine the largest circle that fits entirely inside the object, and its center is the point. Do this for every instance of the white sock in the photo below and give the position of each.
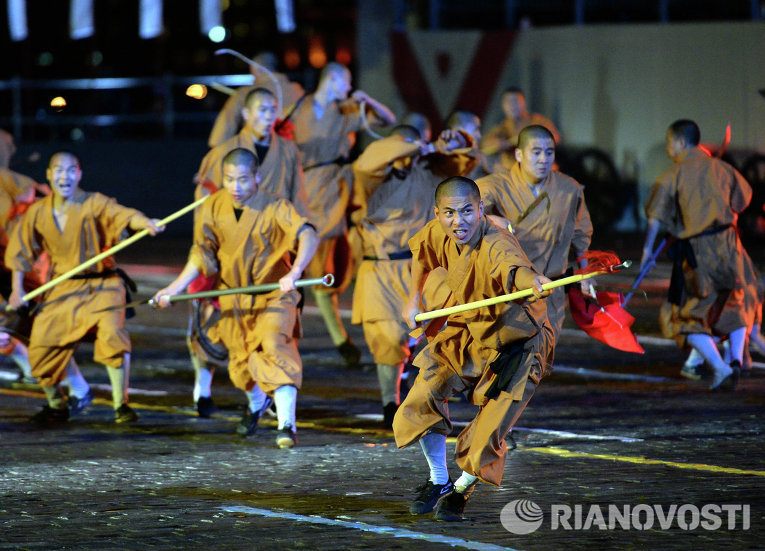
(433, 446)
(389, 377)
(707, 348)
(285, 399)
(737, 338)
(203, 377)
(256, 398)
(20, 356)
(694, 359)
(78, 386)
(464, 481)
(726, 352)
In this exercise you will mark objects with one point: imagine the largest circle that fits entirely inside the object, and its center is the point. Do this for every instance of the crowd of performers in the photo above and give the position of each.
(428, 223)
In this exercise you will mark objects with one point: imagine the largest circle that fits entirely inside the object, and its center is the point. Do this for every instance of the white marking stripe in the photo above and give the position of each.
(364, 527)
(131, 390)
(561, 433)
(8, 375)
(598, 374)
(566, 434)
(159, 331)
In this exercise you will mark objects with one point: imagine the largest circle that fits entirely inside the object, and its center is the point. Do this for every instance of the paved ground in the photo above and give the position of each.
(607, 429)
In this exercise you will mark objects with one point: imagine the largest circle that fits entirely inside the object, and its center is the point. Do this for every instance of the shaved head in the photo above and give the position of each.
(242, 157)
(458, 186)
(535, 131)
(332, 68)
(687, 130)
(257, 93)
(409, 133)
(64, 153)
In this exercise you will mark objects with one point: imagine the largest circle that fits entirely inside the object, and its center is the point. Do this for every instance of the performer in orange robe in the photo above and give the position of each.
(281, 175)
(72, 226)
(697, 201)
(500, 142)
(497, 355)
(402, 174)
(323, 121)
(545, 208)
(245, 236)
(230, 119)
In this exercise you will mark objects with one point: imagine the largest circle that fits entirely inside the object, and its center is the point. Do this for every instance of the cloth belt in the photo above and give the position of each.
(398, 255)
(682, 250)
(338, 161)
(506, 366)
(130, 285)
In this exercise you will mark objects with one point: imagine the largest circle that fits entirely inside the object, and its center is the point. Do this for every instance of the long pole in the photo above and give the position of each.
(109, 252)
(425, 316)
(328, 280)
(644, 272)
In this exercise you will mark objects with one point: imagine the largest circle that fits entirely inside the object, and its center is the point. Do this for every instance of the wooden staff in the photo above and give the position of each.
(425, 316)
(328, 280)
(259, 67)
(109, 252)
(222, 88)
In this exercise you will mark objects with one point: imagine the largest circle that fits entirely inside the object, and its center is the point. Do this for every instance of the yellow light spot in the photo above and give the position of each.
(197, 91)
(58, 102)
(317, 55)
(560, 452)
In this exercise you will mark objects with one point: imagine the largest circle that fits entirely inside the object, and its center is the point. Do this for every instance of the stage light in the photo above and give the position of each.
(197, 91)
(317, 55)
(58, 103)
(217, 34)
(292, 58)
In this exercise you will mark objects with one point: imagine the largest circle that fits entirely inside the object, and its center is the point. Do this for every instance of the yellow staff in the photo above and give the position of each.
(433, 314)
(109, 252)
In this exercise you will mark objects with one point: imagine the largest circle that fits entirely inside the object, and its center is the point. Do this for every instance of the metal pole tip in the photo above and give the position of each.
(328, 280)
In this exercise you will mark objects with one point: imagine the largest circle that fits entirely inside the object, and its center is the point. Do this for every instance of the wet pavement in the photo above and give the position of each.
(615, 451)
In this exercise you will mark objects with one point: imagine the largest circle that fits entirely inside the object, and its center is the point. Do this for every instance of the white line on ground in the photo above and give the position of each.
(364, 527)
(567, 434)
(598, 374)
(8, 375)
(159, 331)
(551, 432)
(131, 390)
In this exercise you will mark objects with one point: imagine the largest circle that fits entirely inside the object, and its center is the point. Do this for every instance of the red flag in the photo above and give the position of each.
(604, 319)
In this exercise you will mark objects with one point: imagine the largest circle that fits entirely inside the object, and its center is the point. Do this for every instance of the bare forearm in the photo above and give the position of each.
(308, 241)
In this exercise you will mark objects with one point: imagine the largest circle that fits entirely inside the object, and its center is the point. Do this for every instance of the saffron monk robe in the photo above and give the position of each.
(72, 226)
(280, 174)
(245, 236)
(496, 355)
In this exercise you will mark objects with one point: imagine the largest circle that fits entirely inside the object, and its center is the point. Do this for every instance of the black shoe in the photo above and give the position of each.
(125, 414)
(205, 407)
(286, 438)
(350, 353)
(249, 422)
(78, 405)
(50, 416)
(428, 497)
(389, 411)
(452, 507)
